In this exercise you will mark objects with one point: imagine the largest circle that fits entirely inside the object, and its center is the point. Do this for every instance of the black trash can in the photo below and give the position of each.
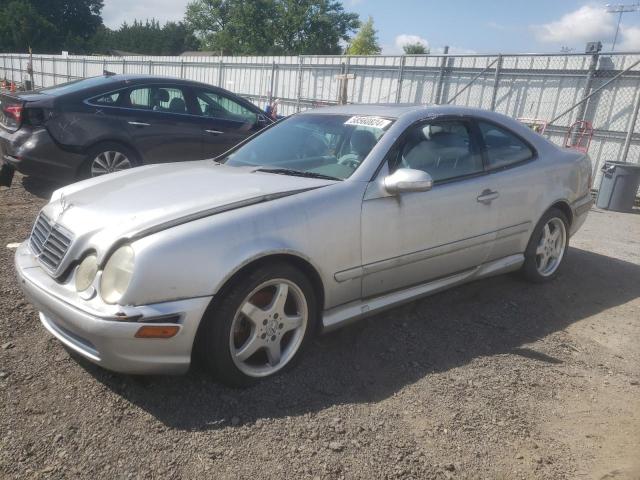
(619, 186)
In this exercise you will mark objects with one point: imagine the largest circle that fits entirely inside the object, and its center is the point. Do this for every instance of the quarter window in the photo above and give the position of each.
(214, 105)
(503, 148)
(108, 99)
(442, 149)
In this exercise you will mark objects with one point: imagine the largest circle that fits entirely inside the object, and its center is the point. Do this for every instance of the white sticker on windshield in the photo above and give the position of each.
(367, 121)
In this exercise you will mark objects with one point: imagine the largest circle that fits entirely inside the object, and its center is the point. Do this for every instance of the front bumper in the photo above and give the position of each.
(102, 336)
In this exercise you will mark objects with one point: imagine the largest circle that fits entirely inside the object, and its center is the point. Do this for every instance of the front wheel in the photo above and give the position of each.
(547, 247)
(260, 326)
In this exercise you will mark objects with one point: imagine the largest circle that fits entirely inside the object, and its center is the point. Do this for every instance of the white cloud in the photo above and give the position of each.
(630, 39)
(588, 23)
(404, 39)
(116, 12)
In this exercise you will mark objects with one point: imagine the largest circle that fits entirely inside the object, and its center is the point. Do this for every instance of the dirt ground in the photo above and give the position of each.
(498, 379)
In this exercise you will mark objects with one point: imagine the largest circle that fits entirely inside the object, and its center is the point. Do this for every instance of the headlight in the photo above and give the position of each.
(117, 274)
(86, 272)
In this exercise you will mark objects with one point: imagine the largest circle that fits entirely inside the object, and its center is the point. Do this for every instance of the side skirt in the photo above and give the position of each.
(341, 315)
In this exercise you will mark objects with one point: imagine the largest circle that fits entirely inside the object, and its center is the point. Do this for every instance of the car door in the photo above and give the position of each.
(412, 238)
(162, 127)
(224, 121)
(509, 160)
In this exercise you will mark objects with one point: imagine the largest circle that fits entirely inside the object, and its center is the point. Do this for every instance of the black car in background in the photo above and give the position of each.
(109, 123)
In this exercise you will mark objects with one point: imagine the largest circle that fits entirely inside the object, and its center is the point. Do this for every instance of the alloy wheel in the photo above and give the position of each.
(551, 247)
(268, 328)
(109, 162)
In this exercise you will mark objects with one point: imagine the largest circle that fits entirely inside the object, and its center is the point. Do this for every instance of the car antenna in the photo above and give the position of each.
(107, 73)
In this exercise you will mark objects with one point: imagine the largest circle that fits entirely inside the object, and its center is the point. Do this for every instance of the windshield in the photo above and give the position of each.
(313, 144)
(75, 85)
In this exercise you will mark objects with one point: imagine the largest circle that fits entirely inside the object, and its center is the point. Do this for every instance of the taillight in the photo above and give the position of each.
(15, 111)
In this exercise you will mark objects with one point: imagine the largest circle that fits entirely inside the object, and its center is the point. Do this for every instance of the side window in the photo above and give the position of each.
(503, 148)
(214, 105)
(442, 149)
(140, 98)
(107, 99)
(158, 99)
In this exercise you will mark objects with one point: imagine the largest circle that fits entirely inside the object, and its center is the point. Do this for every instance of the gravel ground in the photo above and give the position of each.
(498, 379)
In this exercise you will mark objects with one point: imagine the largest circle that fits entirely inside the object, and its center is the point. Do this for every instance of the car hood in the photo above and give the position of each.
(151, 198)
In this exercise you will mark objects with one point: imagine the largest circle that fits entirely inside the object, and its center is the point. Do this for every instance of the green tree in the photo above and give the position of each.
(21, 26)
(48, 25)
(279, 27)
(147, 38)
(415, 49)
(366, 41)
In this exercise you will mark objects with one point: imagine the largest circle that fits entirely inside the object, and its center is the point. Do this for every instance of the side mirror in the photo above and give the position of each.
(408, 180)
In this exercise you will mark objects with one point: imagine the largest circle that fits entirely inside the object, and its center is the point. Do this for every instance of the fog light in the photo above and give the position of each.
(154, 331)
(86, 272)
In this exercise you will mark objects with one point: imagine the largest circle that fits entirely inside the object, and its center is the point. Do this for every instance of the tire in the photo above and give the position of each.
(107, 157)
(544, 256)
(249, 318)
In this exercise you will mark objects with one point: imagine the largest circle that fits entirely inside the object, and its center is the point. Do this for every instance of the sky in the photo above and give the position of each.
(466, 26)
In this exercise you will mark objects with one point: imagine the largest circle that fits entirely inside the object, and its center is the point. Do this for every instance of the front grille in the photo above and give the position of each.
(49, 242)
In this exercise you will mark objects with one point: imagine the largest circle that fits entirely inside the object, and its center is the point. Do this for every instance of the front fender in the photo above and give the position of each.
(197, 258)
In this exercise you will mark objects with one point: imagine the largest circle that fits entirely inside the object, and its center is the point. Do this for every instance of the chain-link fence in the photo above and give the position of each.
(549, 91)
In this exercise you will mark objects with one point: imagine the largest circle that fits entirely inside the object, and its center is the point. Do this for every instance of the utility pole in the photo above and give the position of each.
(30, 69)
(620, 9)
(343, 80)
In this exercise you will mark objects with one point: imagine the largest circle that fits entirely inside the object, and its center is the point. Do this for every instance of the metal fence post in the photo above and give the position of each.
(496, 82)
(220, 72)
(443, 67)
(400, 78)
(84, 67)
(182, 68)
(272, 82)
(632, 127)
(53, 68)
(68, 71)
(42, 71)
(150, 67)
(299, 88)
(124, 65)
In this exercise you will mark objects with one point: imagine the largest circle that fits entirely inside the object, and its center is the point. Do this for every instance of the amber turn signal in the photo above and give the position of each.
(153, 331)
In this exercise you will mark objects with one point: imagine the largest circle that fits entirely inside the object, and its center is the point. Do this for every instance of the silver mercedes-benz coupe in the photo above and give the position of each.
(325, 217)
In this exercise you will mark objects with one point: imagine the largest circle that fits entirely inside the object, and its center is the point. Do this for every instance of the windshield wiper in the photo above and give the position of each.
(296, 173)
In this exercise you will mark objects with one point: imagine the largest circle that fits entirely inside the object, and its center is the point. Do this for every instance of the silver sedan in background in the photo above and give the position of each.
(326, 217)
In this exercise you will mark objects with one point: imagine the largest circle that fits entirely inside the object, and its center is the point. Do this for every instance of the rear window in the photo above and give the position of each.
(76, 85)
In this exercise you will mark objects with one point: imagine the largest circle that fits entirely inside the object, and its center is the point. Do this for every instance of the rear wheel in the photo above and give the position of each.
(106, 158)
(260, 326)
(547, 247)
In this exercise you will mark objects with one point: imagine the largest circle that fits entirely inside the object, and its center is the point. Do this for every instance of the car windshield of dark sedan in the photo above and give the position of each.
(320, 145)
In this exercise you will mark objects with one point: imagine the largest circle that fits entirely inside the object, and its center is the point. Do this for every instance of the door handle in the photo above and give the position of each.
(487, 196)
(139, 124)
(214, 132)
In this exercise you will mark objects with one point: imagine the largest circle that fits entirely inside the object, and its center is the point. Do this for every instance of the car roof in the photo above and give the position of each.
(141, 78)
